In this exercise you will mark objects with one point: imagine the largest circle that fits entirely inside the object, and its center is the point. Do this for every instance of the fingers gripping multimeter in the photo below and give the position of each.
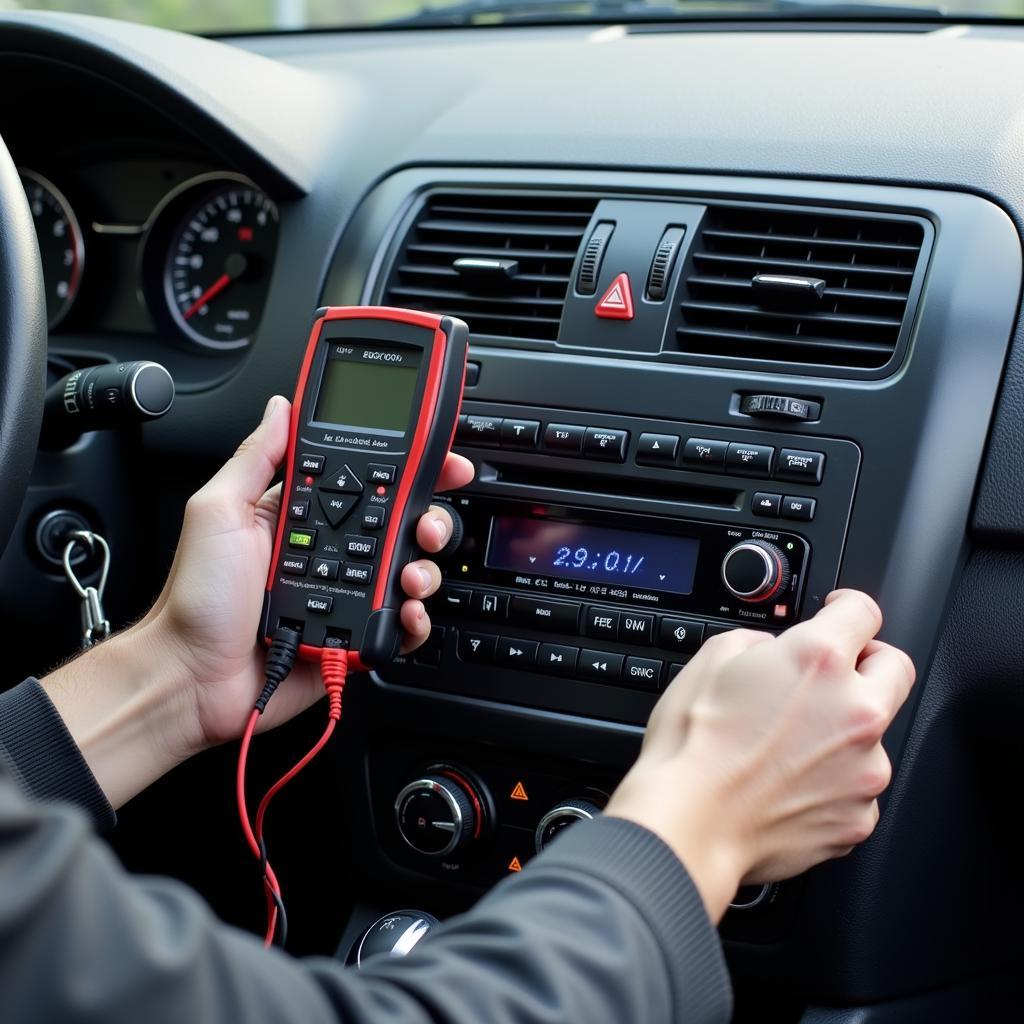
(374, 415)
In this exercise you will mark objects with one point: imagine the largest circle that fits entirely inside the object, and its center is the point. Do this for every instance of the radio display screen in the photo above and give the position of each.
(597, 554)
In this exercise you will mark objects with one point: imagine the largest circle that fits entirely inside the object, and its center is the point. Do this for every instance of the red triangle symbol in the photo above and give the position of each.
(617, 302)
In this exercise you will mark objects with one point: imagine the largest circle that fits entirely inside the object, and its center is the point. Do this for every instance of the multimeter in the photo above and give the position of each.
(374, 416)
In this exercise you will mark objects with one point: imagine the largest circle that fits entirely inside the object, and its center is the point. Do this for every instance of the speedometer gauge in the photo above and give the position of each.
(218, 266)
(60, 244)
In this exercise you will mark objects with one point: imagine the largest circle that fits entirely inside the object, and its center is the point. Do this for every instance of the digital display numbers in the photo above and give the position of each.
(552, 547)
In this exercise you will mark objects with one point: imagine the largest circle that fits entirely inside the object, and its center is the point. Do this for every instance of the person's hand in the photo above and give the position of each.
(210, 607)
(764, 756)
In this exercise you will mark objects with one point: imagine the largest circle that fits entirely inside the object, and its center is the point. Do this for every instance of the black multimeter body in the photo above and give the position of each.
(373, 418)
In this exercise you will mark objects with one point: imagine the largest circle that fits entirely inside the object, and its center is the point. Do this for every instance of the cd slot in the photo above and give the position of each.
(601, 486)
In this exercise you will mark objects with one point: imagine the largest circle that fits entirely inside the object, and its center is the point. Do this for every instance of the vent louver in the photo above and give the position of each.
(854, 321)
(500, 261)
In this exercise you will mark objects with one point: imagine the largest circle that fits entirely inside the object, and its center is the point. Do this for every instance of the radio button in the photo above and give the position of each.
(319, 605)
(486, 605)
(557, 659)
(749, 459)
(644, 673)
(294, 565)
(517, 653)
(374, 516)
(636, 629)
(683, 635)
(325, 568)
(601, 666)
(601, 622)
(606, 444)
(482, 430)
(355, 572)
(559, 616)
(298, 510)
(336, 507)
(342, 481)
(804, 467)
(378, 473)
(700, 453)
(313, 465)
(360, 547)
(477, 647)
(304, 539)
(429, 653)
(764, 504)
(520, 433)
(564, 437)
(798, 508)
(674, 669)
(715, 629)
(658, 449)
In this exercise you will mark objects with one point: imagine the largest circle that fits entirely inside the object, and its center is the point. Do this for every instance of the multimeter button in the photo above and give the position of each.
(294, 565)
(301, 539)
(298, 510)
(342, 481)
(360, 547)
(313, 464)
(325, 568)
(337, 506)
(354, 572)
(373, 517)
(319, 605)
(378, 473)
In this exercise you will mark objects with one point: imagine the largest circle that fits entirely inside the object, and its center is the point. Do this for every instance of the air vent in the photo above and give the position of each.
(500, 261)
(830, 290)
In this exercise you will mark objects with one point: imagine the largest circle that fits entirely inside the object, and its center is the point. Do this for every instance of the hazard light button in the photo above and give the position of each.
(617, 301)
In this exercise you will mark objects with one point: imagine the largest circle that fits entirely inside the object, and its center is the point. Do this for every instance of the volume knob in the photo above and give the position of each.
(755, 571)
(437, 814)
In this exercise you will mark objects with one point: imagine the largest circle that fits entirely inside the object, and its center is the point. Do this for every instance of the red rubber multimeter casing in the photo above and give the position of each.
(373, 419)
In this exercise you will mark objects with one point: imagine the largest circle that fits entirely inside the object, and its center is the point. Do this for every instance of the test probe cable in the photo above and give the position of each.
(284, 648)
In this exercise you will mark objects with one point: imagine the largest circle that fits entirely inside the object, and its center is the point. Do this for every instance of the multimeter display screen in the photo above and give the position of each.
(367, 386)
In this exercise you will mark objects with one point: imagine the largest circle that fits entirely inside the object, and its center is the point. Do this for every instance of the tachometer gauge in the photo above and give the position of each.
(218, 265)
(60, 244)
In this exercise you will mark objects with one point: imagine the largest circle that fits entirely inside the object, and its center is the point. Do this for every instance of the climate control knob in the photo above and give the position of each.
(438, 813)
(755, 570)
(561, 816)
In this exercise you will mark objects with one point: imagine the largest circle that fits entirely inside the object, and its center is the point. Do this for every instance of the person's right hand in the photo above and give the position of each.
(764, 756)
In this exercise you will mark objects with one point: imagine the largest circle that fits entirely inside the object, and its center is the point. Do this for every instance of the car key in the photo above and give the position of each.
(95, 625)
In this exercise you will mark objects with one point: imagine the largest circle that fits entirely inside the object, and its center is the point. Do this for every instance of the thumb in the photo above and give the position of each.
(247, 474)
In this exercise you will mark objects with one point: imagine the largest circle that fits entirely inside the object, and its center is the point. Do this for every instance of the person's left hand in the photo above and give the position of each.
(211, 604)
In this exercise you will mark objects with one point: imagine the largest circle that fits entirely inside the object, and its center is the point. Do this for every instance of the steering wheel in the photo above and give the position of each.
(22, 344)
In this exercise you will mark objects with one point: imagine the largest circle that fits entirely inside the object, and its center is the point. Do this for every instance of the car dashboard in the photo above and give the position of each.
(744, 314)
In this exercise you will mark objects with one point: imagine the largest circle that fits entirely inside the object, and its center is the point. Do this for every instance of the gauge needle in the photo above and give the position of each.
(215, 289)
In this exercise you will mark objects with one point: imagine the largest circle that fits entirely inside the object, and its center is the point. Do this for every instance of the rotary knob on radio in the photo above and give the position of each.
(439, 813)
(755, 571)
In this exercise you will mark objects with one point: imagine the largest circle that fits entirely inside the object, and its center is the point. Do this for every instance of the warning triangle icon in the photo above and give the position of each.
(515, 865)
(519, 792)
(617, 301)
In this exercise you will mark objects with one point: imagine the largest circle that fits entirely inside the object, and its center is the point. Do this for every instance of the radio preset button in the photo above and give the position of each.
(373, 517)
(477, 646)
(602, 666)
(701, 453)
(749, 459)
(482, 430)
(378, 473)
(606, 444)
(311, 464)
(798, 508)
(644, 673)
(336, 507)
(342, 481)
(683, 635)
(356, 572)
(803, 467)
(294, 565)
(565, 438)
(325, 568)
(657, 449)
(303, 539)
(429, 653)
(520, 433)
(764, 504)
(360, 547)
(557, 659)
(486, 605)
(559, 616)
(517, 653)
(602, 622)
(319, 604)
(636, 629)
(454, 597)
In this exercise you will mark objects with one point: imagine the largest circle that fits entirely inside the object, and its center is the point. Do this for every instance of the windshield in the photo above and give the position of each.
(237, 16)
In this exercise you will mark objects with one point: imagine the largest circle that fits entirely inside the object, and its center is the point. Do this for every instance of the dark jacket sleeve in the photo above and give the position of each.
(604, 928)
